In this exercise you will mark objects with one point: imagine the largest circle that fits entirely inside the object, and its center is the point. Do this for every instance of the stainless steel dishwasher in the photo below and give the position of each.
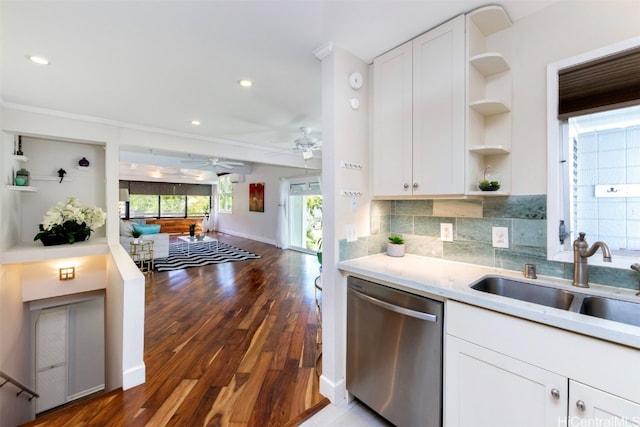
(394, 353)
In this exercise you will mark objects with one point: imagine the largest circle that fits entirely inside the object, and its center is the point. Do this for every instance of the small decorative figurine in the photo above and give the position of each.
(19, 151)
(61, 173)
(83, 162)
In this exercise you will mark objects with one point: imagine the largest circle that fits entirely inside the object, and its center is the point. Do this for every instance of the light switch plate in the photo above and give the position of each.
(500, 237)
(350, 231)
(446, 232)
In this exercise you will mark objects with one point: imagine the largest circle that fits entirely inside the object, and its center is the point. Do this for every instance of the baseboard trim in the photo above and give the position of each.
(133, 377)
(248, 236)
(334, 391)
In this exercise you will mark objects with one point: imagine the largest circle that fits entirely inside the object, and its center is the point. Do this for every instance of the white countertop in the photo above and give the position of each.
(445, 279)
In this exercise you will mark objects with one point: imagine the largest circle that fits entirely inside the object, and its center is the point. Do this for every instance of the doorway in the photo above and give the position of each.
(305, 214)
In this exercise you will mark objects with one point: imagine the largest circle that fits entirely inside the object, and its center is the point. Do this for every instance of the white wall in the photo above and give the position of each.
(345, 138)
(260, 226)
(561, 30)
(45, 158)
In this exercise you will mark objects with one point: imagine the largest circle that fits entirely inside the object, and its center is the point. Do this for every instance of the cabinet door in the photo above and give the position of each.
(51, 358)
(488, 389)
(590, 406)
(392, 129)
(439, 110)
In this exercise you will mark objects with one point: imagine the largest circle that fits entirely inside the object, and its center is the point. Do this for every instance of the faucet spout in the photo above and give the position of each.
(581, 253)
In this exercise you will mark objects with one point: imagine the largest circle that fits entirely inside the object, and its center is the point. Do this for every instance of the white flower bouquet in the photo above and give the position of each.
(69, 222)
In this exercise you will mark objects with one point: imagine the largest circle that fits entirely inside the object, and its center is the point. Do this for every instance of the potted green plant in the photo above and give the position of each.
(135, 234)
(395, 246)
(486, 185)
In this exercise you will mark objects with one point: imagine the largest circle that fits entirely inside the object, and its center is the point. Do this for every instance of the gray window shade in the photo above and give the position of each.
(600, 85)
(167, 188)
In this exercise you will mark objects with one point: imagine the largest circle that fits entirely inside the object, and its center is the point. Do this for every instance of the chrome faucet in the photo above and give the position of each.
(636, 267)
(581, 252)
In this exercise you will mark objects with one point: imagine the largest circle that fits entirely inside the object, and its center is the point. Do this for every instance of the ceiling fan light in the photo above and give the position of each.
(195, 122)
(307, 154)
(245, 83)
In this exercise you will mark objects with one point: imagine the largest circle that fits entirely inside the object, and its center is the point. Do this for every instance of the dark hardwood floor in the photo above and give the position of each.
(225, 345)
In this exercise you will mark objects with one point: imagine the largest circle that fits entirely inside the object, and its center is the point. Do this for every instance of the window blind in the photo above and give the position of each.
(602, 84)
(166, 188)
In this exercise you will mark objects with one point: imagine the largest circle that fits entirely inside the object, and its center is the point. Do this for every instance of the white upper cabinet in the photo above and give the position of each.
(419, 110)
(392, 109)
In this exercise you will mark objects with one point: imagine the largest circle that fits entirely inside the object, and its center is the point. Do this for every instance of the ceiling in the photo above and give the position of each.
(162, 64)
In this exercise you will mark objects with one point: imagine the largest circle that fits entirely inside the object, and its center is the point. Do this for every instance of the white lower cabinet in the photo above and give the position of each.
(495, 390)
(590, 406)
(505, 371)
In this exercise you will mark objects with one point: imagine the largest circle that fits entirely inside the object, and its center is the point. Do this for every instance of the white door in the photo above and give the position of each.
(51, 358)
(592, 407)
(305, 214)
(489, 389)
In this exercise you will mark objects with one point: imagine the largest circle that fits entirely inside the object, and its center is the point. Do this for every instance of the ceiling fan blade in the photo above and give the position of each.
(223, 165)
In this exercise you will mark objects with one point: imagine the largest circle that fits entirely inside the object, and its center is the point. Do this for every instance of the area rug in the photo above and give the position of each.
(200, 255)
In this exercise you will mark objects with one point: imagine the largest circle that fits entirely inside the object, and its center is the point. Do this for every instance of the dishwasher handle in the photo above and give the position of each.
(392, 307)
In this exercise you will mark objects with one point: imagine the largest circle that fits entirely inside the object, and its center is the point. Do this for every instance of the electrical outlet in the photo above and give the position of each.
(446, 232)
(350, 231)
(500, 237)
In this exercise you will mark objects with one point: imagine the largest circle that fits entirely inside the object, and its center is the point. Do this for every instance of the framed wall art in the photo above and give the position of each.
(256, 197)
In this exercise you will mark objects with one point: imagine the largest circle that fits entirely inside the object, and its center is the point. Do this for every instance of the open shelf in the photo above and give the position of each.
(489, 107)
(489, 63)
(487, 193)
(26, 188)
(489, 150)
(20, 158)
(490, 19)
(35, 251)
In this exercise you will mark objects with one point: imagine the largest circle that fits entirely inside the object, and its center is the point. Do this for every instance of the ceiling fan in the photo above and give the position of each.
(307, 144)
(178, 173)
(213, 162)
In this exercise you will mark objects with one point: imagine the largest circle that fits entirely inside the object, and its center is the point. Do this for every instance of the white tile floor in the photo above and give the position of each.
(354, 414)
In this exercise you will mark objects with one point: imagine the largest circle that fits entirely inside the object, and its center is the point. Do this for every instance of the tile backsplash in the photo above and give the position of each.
(524, 216)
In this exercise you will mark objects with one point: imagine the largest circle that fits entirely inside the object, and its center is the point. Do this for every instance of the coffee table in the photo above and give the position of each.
(187, 241)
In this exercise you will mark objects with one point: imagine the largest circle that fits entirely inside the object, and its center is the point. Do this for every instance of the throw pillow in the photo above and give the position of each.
(147, 228)
(125, 228)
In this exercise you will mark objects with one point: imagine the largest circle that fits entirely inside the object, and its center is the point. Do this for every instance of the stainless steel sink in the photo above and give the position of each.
(612, 309)
(524, 291)
(605, 308)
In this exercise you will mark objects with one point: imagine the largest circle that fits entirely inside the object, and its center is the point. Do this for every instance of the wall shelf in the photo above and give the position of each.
(20, 158)
(25, 188)
(489, 63)
(488, 193)
(50, 178)
(490, 19)
(489, 150)
(489, 107)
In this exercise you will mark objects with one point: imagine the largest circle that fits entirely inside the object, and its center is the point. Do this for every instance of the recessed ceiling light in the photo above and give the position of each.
(245, 83)
(38, 59)
(195, 122)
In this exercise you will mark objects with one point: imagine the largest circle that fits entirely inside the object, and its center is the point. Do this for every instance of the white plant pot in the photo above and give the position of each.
(394, 249)
(136, 240)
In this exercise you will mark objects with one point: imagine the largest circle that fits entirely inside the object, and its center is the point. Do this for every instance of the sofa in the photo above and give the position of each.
(161, 240)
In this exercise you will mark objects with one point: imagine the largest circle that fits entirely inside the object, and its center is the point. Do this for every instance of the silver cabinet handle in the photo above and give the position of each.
(415, 185)
(391, 307)
(406, 186)
(581, 406)
(555, 393)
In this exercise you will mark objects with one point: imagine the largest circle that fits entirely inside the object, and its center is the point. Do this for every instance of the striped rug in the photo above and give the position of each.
(199, 255)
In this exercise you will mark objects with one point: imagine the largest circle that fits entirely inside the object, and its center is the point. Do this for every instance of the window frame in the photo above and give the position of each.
(221, 193)
(557, 131)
